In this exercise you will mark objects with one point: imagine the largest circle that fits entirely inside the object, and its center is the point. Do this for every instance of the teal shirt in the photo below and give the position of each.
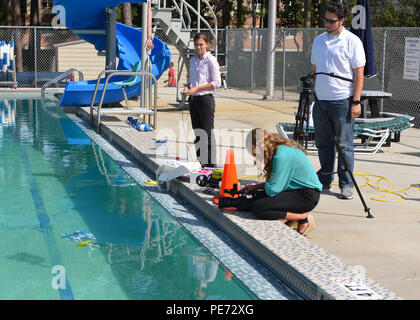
(291, 170)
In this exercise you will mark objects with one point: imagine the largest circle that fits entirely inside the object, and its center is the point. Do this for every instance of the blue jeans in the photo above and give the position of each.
(339, 118)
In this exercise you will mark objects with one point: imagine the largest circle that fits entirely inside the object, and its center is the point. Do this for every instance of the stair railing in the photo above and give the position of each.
(181, 4)
(188, 17)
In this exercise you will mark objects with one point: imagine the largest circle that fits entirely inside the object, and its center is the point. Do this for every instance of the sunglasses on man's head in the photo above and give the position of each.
(330, 21)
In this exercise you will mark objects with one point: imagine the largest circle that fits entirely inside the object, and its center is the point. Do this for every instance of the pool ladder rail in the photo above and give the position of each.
(146, 109)
(59, 78)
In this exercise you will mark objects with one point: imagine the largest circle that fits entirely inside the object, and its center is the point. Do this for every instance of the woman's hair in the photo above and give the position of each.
(202, 36)
(261, 142)
(338, 8)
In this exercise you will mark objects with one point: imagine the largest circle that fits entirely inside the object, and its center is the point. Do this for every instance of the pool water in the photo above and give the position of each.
(74, 225)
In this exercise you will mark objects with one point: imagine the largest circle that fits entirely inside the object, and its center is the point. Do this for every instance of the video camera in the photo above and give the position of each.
(307, 82)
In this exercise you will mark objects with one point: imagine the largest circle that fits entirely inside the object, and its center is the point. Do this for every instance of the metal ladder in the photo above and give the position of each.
(149, 110)
(60, 77)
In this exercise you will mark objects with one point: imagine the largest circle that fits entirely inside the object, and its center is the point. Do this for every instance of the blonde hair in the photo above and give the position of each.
(262, 143)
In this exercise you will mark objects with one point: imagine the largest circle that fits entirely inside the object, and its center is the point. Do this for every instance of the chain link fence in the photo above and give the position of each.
(390, 55)
(221, 41)
(246, 56)
(36, 58)
(243, 53)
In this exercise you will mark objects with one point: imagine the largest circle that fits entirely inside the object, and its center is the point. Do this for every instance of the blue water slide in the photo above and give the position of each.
(91, 15)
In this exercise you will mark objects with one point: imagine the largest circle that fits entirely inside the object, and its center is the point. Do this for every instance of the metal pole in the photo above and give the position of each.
(227, 52)
(143, 55)
(284, 66)
(381, 108)
(198, 15)
(182, 15)
(271, 49)
(35, 59)
(178, 77)
(111, 38)
(252, 59)
(253, 45)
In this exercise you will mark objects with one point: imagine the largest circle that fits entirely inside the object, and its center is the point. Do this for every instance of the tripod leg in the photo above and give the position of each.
(307, 119)
(299, 134)
(340, 153)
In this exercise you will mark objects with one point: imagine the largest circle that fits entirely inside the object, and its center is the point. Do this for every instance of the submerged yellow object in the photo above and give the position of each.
(150, 182)
(82, 244)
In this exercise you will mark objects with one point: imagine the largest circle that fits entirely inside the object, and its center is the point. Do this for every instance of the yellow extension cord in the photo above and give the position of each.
(387, 191)
(377, 187)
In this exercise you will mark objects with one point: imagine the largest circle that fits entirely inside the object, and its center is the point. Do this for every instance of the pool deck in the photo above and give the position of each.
(345, 243)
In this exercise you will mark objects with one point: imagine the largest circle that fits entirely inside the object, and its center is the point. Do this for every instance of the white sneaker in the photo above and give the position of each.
(346, 193)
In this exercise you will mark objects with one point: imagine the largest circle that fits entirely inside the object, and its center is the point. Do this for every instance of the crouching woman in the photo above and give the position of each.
(292, 188)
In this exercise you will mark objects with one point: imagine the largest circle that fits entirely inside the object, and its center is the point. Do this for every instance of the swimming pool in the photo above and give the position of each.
(74, 225)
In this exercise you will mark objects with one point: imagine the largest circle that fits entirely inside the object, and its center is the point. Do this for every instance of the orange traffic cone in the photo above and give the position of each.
(230, 176)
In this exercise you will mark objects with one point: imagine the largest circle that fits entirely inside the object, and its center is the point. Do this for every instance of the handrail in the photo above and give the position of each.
(145, 101)
(150, 81)
(112, 73)
(96, 90)
(189, 19)
(60, 77)
(179, 11)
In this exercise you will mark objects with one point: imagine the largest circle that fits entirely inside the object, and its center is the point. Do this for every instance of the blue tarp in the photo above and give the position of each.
(365, 34)
(91, 15)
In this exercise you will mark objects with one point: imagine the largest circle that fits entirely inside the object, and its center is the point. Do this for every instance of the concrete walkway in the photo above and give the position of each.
(387, 247)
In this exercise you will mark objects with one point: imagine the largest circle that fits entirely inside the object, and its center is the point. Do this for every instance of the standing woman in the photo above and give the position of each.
(204, 80)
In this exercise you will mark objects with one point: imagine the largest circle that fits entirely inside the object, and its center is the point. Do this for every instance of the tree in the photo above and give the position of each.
(223, 9)
(34, 43)
(35, 18)
(401, 13)
(240, 14)
(127, 14)
(17, 21)
(6, 12)
(307, 13)
(291, 14)
(301, 13)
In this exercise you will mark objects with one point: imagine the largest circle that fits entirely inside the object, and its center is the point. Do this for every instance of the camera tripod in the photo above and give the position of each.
(301, 131)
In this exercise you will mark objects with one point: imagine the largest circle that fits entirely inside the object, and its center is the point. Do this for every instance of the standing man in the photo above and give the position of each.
(340, 52)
